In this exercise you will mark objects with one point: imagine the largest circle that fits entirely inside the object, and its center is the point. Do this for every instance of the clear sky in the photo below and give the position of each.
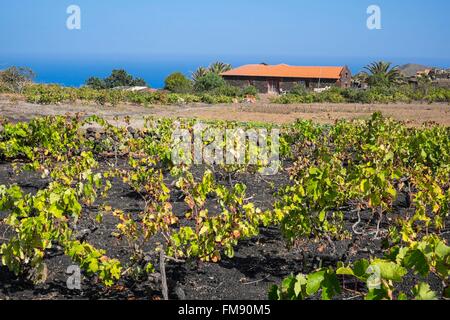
(327, 28)
(153, 38)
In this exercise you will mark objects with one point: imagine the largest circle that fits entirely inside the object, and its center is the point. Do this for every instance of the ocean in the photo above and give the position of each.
(73, 71)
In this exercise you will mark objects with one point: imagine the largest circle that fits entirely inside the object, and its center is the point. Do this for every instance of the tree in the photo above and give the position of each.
(207, 79)
(219, 67)
(96, 83)
(118, 78)
(16, 78)
(209, 82)
(121, 78)
(382, 74)
(216, 67)
(199, 73)
(139, 82)
(178, 83)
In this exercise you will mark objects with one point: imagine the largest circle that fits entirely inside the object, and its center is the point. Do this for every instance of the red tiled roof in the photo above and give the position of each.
(286, 71)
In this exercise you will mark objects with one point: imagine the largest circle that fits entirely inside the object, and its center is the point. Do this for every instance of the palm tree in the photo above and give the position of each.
(199, 73)
(219, 67)
(382, 74)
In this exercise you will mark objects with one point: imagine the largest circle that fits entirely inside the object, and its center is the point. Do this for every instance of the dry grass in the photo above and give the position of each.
(414, 114)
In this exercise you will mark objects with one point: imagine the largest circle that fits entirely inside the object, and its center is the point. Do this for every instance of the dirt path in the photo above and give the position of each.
(415, 114)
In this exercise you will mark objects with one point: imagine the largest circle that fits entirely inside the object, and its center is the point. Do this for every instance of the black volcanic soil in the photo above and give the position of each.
(259, 262)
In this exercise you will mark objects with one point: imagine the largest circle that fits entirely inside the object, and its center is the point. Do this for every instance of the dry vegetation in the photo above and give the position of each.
(14, 108)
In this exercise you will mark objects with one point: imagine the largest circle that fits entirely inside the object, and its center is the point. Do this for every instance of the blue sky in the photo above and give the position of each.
(411, 28)
(152, 38)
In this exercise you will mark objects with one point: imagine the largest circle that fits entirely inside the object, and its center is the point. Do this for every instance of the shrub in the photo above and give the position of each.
(298, 89)
(438, 95)
(118, 78)
(250, 91)
(403, 93)
(178, 83)
(209, 82)
(3, 88)
(215, 99)
(227, 90)
(15, 79)
(332, 96)
(54, 94)
(288, 99)
(96, 83)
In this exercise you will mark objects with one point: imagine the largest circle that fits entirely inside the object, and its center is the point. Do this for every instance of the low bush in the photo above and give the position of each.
(178, 83)
(209, 82)
(215, 99)
(404, 94)
(227, 90)
(250, 91)
(15, 79)
(54, 94)
(298, 89)
(118, 78)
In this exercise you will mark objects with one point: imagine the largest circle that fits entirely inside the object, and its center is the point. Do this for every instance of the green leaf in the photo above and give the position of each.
(424, 292)
(330, 286)
(447, 293)
(93, 265)
(423, 154)
(314, 282)
(300, 285)
(442, 250)
(322, 216)
(345, 271)
(390, 270)
(417, 260)
(360, 268)
(389, 156)
(274, 293)
(287, 287)
(365, 186)
(55, 211)
(391, 191)
(375, 200)
(376, 294)
(402, 296)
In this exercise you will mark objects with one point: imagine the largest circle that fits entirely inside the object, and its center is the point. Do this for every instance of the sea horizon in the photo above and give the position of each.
(74, 71)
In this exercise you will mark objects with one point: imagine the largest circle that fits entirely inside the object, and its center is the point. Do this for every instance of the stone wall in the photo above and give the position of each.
(243, 82)
(285, 85)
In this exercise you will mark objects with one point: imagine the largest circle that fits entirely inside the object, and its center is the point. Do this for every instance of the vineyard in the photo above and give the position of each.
(395, 94)
(357, 210)
(54, 94)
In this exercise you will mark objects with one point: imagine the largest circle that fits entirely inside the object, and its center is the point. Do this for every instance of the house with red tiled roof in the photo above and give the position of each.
(282, 77)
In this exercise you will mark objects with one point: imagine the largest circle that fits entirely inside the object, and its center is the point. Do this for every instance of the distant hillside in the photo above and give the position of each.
(410, 70)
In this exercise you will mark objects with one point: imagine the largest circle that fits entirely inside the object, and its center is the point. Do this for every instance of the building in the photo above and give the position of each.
(282, 78)
(439, 78)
